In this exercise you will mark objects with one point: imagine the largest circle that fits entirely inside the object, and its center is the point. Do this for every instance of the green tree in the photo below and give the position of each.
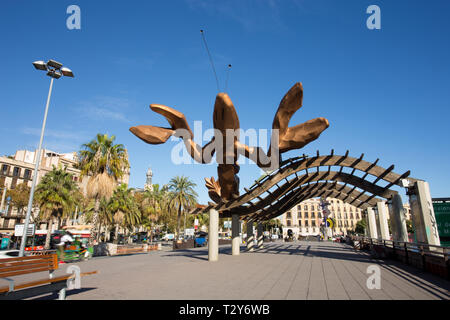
(152, 204)
(409, 226)
(203, 220)
(19, 196)
(104, 217)
(124, 208)
(272, 223)
(183, 196)
(56, 196)
(105, 163)
(361, 226)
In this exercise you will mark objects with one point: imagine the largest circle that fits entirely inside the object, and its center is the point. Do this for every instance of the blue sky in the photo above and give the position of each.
(385, 92)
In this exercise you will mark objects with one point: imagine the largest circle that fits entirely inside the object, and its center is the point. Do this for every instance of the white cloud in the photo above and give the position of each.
(251, 14)
(105, 107)
(58, 134)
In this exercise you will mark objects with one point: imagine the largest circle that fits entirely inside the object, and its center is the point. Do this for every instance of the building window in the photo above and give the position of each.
(16, 172)
(288, 215)
(306, 223)
(5, 169)
(299, 222)
(299, 208)
(313, 223)
(288, 223)
(27, 174)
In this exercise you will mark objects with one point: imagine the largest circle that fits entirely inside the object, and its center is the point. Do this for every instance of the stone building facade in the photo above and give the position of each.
(19, 168)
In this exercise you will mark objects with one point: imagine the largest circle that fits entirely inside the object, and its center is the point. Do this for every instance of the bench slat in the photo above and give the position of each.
(26, 267)
(44, 256)
(18, 273)
(24, 262)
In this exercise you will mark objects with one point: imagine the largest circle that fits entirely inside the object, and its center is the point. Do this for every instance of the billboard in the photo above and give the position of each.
(442, 213)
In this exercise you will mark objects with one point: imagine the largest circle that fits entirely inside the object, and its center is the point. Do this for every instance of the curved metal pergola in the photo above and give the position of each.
(301, 178)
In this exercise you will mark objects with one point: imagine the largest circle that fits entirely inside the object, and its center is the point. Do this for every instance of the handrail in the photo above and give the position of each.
(423, 248)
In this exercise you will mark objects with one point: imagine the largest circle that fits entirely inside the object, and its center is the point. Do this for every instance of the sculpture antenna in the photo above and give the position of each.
(210, 60)
(228, 73)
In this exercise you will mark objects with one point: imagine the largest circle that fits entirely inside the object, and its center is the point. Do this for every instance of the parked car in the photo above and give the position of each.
(8, 254)
(168, 236)
(201, 239)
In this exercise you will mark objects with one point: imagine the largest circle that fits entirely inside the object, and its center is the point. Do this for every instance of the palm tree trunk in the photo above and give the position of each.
(94, 230)
(99, 231)
(116, 235)
(106, 233)
(49, 234)
(178, 221)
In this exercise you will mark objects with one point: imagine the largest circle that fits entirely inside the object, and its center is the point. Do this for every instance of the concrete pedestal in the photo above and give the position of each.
(260, 231)
(398, 219)
(373, 233)
(213, 235)
(383, 221)
(250, 236)
(422, 213)
(236, 240)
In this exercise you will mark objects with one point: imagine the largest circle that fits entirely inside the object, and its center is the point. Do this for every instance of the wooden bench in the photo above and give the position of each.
(130, 250)
(28, 265)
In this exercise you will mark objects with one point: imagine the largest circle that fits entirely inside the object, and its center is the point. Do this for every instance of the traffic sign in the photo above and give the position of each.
(18, 230)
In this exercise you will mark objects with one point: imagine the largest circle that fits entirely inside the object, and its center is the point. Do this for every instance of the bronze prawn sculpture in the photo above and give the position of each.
(225, 142)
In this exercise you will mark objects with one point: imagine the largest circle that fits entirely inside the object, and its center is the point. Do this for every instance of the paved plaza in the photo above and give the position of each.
(296, 270)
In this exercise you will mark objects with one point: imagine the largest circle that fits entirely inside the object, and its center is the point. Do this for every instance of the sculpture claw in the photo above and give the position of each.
(151, 134)
(157, 135)
(300, 135)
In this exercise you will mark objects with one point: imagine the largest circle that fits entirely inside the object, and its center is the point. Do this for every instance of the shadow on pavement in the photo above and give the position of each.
(54, 296)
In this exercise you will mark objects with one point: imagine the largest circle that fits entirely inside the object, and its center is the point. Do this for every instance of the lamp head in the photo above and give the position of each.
(54, 64)
(40, 65)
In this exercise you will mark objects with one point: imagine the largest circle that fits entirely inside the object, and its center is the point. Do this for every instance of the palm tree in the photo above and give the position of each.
(56, 196)
(203, 220)
(104, 217)
(183, 196)
(105, 163)
(124, 209)
(152, 206)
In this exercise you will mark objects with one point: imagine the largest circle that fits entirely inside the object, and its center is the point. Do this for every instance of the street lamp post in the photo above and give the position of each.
(54, 70)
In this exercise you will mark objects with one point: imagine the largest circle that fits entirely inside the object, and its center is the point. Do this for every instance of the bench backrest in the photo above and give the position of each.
(30, 264)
